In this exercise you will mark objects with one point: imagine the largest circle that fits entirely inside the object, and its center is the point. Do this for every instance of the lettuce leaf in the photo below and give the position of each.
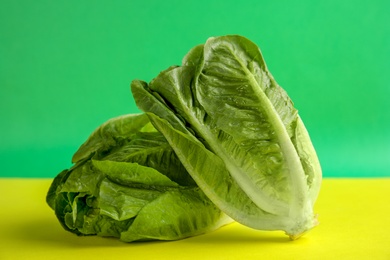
(128, 183)
(238, 134)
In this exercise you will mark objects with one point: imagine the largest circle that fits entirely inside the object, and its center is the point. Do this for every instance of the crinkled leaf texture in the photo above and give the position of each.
(128, 183)
(237, 133)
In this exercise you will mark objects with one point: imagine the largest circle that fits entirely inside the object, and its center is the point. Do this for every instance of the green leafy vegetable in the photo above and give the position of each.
(238, 134)
(128, 183)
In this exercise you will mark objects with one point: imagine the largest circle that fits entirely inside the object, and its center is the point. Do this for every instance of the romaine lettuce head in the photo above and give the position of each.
(128, 183)
(238, 134)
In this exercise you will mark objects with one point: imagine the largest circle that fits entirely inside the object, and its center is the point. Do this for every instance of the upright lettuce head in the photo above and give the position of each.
(238, 134)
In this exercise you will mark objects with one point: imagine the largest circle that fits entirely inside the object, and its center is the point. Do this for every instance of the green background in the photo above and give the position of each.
(66, 66)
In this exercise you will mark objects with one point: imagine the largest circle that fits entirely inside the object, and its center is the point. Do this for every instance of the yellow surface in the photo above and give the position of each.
(354, 219)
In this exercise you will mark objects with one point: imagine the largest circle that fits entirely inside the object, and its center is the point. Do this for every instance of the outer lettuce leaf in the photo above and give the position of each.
(128, 183)
(224, 104)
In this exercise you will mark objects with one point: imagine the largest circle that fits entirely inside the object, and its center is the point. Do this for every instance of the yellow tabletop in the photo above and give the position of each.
(354, 219)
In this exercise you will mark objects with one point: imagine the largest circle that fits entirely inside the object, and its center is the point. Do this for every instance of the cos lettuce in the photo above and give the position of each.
(219, 136)
(127, 182)
(238, 134)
